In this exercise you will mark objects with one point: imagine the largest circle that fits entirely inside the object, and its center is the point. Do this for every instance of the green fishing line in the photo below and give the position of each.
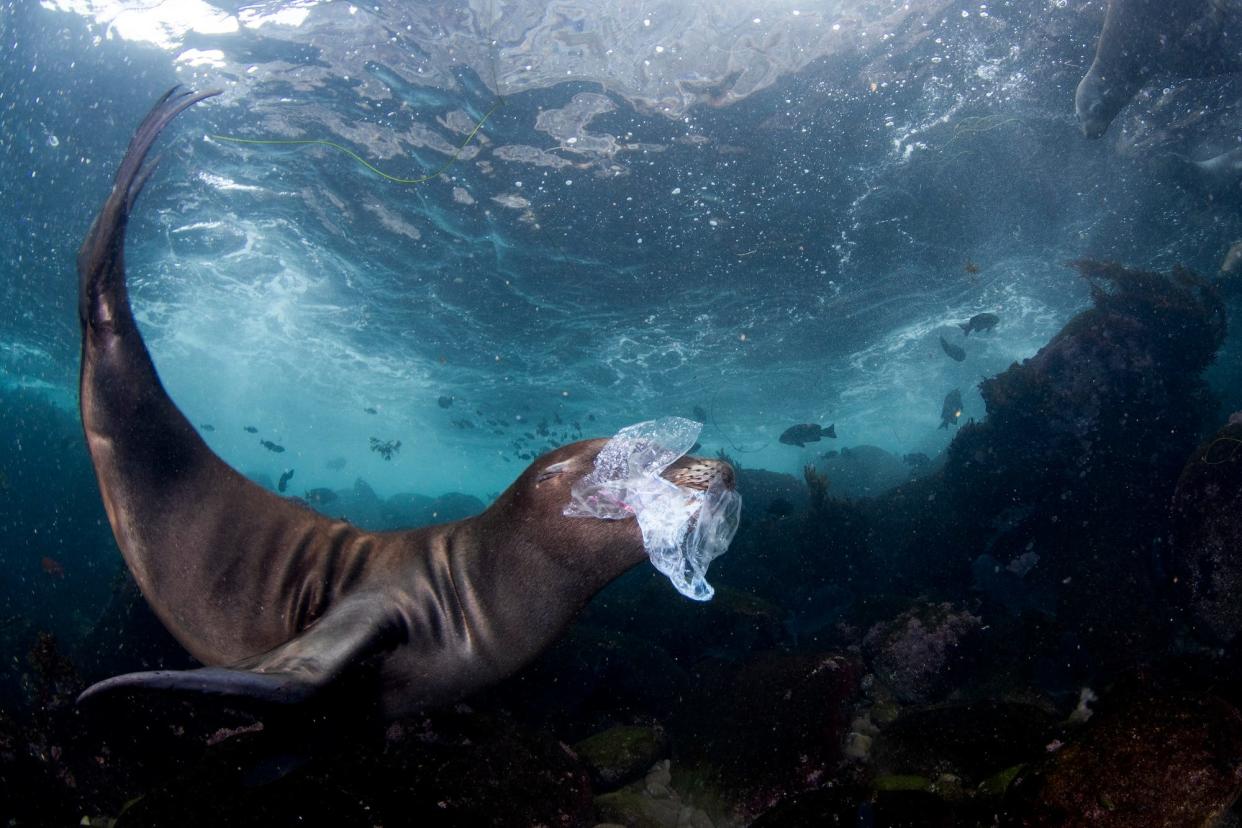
(364, 162)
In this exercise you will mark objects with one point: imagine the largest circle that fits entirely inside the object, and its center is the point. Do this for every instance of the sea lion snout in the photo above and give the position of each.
(700, 473)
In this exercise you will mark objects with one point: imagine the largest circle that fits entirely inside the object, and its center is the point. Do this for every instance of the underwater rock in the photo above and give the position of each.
(733, 622)
(1121, 374)
(835, 805)
(1207, 536)
(455, 767)
(621, 754)
(55, 683)
(30, 793)
(863, 471)
(805, 566)
(1147, 761)
(406, 510)
(760, 487)
(652, 802)
(591, 677)
(1076, 461)
(972, 742)
(923, 654)
(772, 726)
(359, 505)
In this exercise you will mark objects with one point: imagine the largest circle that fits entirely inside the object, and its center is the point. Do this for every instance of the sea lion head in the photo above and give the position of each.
(1097, 102)
(535, 506)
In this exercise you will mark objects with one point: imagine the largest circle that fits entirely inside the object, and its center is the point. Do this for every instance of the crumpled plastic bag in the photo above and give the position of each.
(683, 529)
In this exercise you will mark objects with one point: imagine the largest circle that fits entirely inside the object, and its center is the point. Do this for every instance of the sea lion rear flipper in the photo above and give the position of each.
(294, 672)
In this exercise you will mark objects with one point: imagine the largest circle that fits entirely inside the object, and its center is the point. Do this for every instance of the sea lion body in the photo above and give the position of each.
(1141, 39)
(280, 601)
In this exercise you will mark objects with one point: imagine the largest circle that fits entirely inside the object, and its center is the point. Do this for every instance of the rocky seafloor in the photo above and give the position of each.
(1039, 628)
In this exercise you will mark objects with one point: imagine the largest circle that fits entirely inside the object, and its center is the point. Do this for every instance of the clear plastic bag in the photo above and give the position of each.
(683, 529)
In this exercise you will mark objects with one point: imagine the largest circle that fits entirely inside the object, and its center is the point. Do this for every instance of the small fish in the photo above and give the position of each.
(979, 322)
(916, 459)
(250, 430)
(952, 408)
(800, 435)
(370, 410)
(971, 267)
(463, 423)
(956, 352)
(445, 402)
(207, 427)
(284, 480)
(335, 464)
(270, 446)
(319, 497)
(828, 455)
(385, 448)
(51, 567)
(699, 413)
(696, 447)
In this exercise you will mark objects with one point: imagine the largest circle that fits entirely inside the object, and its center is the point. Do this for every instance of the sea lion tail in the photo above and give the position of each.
(101, 269)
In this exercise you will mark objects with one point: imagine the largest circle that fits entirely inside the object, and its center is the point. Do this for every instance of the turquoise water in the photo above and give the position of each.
(755, 215)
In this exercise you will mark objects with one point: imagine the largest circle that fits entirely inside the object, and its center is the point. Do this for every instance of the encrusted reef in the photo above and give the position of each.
(1207, 536)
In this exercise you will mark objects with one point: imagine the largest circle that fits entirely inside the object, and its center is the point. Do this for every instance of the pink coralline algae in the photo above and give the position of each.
(921, 654)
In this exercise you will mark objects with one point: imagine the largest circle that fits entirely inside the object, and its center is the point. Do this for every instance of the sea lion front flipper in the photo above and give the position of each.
(293, 672)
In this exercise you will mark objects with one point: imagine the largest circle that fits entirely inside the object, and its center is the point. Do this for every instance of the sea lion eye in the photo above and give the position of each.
(553, 470)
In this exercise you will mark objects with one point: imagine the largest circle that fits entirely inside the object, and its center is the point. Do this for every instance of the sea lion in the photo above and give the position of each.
(1143, 38)
(279, 601)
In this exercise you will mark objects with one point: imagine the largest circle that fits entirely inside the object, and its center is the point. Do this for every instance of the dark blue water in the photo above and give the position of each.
(758, 216)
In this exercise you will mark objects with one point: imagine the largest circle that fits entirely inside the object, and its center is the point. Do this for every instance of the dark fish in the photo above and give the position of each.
(270, 446)
(370, 410)
(250, 430)
(385, 448)
(915, 459)
(591, 417)
(828, 455)
(699, 413)
(697, 445)
(51, 567)
(335, 464)
(952, 408)
(445, 402)
(956, 352)
(319, 497)
(207, 427)
(463, 423)
(800, 435)
(284, 480)
(979, 322)
(971, 267)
